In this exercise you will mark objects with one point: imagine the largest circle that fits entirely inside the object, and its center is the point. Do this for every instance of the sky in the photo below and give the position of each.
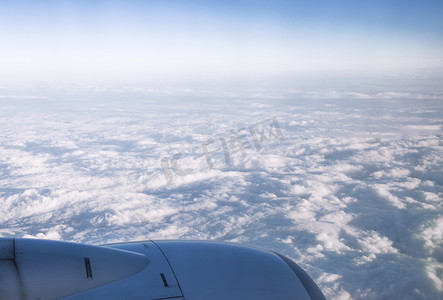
(106, 108)
(137, 41)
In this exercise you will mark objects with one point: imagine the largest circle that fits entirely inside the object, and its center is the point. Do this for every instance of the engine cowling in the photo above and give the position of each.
(192, 270)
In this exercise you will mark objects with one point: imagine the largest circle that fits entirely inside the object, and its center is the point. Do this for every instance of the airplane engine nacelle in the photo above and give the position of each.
(191, 270)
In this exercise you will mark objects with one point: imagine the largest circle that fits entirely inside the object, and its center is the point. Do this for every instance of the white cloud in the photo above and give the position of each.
(353, 191)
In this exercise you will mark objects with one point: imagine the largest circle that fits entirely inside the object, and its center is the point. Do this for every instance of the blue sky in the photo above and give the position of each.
(123, 41)
(353, 192)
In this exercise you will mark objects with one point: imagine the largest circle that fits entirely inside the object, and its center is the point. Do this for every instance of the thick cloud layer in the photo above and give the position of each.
(348, 184)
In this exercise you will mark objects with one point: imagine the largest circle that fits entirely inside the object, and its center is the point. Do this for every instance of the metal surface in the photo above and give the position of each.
(215, 271)
(152, 270)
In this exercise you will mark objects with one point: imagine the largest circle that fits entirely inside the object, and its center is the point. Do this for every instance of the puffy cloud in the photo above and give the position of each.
(351, 189)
